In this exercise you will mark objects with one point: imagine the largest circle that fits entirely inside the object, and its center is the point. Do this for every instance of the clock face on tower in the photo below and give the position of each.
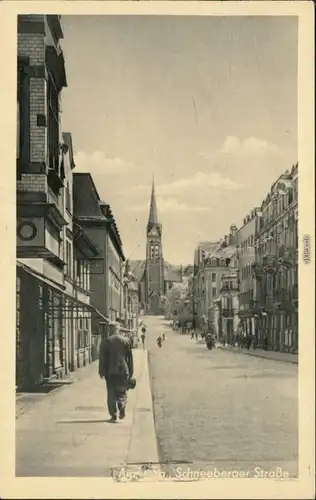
(154, 232)
(26, 231)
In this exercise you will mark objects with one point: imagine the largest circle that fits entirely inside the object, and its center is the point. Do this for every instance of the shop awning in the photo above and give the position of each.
(73, 304)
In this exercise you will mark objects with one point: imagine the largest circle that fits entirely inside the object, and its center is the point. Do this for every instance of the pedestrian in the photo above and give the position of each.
(143, 336)
(159, 342)
(116, 367)
(249, 341)
(163, 337)
(265, 342)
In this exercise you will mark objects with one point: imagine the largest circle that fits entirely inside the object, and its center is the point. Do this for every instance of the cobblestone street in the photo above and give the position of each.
(216, 409)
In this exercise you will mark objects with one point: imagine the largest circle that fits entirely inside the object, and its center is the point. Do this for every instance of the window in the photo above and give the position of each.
(68, 259)
(53, 123)
(23, 121)
(68, 198)
(213, 277)
(156, 251)
(78, 272)
(214, 292)
(151, 252)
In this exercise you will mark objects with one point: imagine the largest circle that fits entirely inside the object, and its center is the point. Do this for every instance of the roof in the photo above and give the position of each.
(86, 196)
(208, 246)
(107, 211)
(137, 268)
(224, 252)
(153, 217)
(171, 273)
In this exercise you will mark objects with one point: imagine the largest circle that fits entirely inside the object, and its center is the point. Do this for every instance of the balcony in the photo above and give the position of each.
(233, 288)
(227, 313)
(38, 231)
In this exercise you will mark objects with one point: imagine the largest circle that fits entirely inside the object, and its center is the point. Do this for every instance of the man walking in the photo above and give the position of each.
(116, 367)
(143, 336)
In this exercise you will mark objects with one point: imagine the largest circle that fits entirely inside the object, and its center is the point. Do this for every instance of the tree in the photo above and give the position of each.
(175, 298)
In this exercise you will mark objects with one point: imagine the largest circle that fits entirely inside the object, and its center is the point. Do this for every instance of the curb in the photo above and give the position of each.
(143, 449)
(258, 355)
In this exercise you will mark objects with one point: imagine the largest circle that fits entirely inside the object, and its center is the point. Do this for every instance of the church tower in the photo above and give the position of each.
(154, 288)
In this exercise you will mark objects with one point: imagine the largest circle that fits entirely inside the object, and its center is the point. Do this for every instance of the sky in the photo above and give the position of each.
(208, 105)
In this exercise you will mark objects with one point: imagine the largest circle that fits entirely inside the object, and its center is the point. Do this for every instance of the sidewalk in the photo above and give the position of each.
(261, 353)
(68, 434)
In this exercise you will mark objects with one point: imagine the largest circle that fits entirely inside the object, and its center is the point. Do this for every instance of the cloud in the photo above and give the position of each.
(97, 163)
(170, 205)
(198, 181)
(236, 149)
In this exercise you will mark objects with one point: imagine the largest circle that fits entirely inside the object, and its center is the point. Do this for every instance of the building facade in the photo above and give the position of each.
(95, 217)
(46, 304)
(217, 265)
(210, 264)
(201, 271)
(229, 301)
(276, 266)
(247, 281)
(114, 267)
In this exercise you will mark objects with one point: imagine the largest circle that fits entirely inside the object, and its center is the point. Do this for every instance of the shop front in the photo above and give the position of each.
(53, 330)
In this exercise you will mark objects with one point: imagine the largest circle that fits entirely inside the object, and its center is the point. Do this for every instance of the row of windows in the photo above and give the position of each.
(82, 333)
(246, 272)
(77, 269)
(285, 238)
(278, 206)
(223, 262)
(229, 285)
(247, 244)
(24, 123)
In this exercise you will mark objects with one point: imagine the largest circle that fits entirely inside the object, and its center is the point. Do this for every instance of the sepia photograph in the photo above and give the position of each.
(158, 247)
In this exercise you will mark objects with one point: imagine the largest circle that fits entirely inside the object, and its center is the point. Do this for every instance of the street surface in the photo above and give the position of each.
(220, 409)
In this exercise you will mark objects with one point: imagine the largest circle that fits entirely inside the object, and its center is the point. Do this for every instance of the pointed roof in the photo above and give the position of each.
(153, 218)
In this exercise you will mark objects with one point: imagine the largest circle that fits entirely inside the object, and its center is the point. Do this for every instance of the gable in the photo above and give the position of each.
(85, 199)
(153, 232)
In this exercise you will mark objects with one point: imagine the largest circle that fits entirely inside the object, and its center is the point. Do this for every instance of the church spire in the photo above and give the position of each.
(153, 218)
